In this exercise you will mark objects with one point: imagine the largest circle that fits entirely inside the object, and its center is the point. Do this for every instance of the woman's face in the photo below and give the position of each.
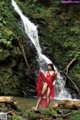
(49, 67)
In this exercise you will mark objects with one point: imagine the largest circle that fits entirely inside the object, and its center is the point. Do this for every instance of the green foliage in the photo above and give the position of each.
(32, 115)
(8, 83)
(11, 73)
(75, 115)
(4, 54)
(17, 117)
(49, 112)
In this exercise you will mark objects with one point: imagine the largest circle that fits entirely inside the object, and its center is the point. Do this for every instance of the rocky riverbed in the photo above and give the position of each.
(57, 110)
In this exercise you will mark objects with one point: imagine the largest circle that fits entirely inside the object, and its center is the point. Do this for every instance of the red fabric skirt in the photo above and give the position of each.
(39, 86)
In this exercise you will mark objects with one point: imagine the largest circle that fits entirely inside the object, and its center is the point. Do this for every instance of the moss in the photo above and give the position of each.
(75, 115)
(17, 117)
(32, 116)
(49, 112)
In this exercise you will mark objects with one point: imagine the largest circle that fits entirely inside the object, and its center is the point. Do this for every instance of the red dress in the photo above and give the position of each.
(49, 80)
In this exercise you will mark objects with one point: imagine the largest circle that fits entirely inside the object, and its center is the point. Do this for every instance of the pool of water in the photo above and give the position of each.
(28, 103)
(25, 103)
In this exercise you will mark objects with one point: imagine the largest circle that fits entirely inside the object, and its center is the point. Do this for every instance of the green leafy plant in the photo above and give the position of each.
(75, 115)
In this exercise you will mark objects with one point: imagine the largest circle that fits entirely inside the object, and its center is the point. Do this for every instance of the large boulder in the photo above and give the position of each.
(67, 104)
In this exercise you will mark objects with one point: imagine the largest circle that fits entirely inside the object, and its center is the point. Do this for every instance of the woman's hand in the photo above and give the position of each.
(54, 82)
(55, 79)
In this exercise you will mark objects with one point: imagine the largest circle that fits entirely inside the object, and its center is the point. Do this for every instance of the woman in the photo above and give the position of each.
(45, 87)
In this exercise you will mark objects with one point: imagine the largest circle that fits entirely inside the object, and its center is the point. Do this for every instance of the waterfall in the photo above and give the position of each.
(32, 32)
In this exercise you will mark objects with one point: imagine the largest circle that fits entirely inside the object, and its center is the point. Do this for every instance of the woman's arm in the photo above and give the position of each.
(54, 81)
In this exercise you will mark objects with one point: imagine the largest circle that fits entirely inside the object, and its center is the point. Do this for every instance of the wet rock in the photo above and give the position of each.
(69, 104)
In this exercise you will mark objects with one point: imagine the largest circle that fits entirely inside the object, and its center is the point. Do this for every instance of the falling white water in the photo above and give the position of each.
(32, 33)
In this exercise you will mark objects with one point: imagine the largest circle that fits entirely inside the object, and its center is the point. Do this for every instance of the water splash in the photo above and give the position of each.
(32, 33)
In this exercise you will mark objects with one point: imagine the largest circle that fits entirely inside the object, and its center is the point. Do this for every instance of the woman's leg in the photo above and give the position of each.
(44, 89)
(48, 96)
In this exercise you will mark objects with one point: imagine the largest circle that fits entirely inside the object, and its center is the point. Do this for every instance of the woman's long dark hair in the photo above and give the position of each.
(50, 64)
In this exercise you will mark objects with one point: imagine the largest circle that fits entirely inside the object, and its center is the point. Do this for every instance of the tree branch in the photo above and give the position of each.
(70, 63)
(66, 70)
(73, 83)
(24, 54)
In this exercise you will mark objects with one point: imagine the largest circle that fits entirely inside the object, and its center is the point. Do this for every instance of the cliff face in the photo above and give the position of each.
(59, 30)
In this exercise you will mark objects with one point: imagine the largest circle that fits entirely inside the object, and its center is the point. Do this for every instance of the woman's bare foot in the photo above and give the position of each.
(34, 108)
